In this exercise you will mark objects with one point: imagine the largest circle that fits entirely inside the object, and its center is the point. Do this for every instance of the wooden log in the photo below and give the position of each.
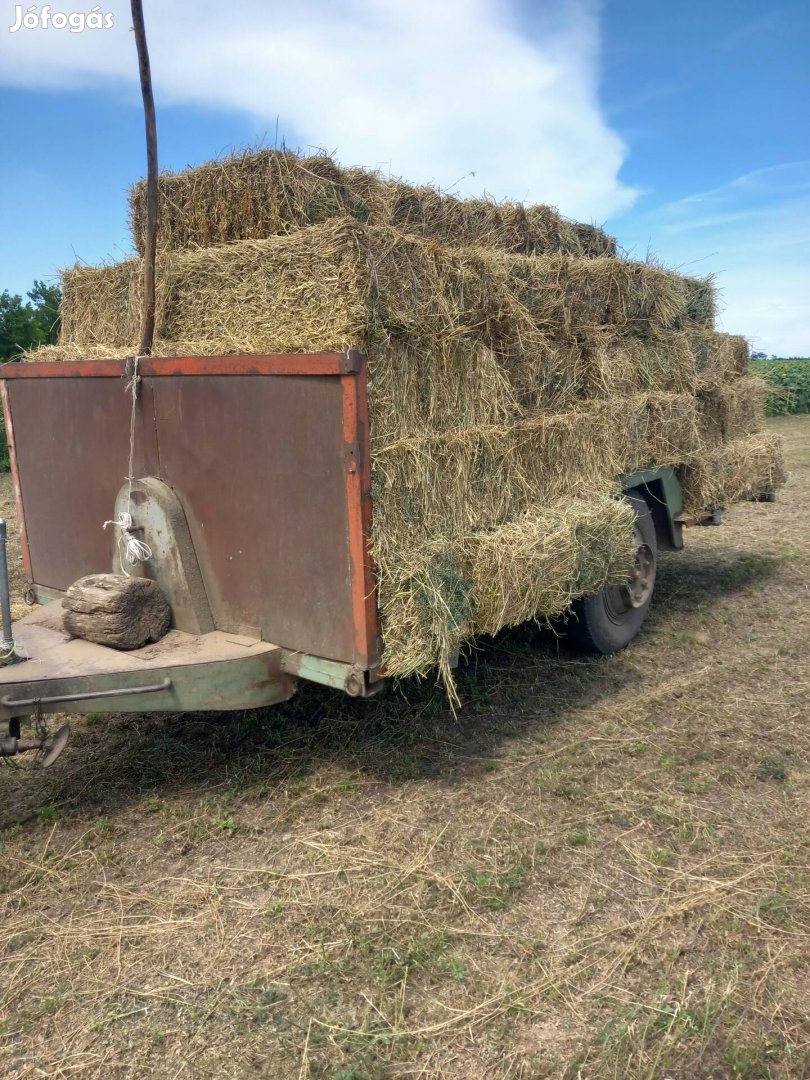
(114, 610)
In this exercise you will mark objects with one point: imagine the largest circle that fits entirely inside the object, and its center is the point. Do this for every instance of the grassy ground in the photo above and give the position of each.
(600, 869)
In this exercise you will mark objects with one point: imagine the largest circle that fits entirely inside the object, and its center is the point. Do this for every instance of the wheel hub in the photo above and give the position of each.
(636, 591)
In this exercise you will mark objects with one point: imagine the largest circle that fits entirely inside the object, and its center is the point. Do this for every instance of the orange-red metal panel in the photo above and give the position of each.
(358, 501)
(275, 364)
(273, 474)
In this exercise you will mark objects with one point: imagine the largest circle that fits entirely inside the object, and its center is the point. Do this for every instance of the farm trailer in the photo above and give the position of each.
(253, 492)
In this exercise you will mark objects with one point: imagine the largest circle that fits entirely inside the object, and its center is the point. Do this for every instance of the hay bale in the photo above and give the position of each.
(451, 482)
(480, 524)
(702, 302)
(102, 304)
(718, 358)
(254, 195)
(426, 611)
(595, 241)
(746, 468)
(246, 196)
(343, 283)
(541, 561)
(615, 364)
(442, 594)
(731, 411)
(91, 350)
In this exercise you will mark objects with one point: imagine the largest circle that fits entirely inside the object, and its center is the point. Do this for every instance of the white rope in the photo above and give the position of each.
(131, 550)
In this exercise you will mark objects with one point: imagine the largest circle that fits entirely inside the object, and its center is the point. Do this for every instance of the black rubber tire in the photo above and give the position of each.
(592, 625)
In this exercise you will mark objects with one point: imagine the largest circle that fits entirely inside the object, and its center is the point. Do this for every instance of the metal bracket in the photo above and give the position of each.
(157, 511)
(349, 678)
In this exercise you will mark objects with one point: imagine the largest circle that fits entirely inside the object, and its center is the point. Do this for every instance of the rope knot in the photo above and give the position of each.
(132, 549)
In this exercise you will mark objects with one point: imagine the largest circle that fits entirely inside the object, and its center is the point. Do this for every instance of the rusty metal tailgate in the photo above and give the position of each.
(268, 456)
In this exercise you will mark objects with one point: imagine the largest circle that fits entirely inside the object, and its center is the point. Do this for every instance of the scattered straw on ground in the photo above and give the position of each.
(598, 869)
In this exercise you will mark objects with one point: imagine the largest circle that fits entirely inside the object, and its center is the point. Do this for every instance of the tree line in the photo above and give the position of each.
(24, 324)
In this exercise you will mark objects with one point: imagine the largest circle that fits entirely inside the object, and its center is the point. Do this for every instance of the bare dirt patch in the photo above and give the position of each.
(598, 869)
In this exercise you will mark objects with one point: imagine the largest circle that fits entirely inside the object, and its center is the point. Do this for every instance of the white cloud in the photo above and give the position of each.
(754, 234)
(432, 89)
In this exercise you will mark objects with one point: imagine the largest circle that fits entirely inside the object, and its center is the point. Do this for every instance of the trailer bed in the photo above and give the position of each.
(181, 672)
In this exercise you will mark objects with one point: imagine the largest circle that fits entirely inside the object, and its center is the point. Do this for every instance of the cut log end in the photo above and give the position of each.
(117, 611)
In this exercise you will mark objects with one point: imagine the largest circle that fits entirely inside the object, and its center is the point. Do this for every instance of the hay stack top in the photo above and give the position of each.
(262, 193)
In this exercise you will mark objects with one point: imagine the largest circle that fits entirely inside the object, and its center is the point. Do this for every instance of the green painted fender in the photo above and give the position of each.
(663, 492)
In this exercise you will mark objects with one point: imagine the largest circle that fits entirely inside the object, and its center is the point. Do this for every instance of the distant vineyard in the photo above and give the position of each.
(789, 382)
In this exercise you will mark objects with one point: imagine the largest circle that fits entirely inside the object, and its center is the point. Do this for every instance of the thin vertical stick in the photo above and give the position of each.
(148, 311)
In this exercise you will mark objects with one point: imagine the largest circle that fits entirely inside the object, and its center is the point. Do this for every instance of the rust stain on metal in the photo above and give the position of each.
(698, 519)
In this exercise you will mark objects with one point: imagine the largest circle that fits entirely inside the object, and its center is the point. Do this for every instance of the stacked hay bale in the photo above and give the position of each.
(256, 194)
(518, 368)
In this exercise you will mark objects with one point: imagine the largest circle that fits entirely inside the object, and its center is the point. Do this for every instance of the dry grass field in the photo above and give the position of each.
(599, 869)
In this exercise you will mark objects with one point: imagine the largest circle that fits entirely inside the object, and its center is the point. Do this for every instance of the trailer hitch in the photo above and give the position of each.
(50, 746)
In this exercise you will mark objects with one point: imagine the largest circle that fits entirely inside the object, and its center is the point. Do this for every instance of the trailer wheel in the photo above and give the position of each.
(609, 621)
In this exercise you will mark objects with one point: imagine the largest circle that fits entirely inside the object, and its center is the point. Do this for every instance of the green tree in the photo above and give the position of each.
(24, 325)
(46, 300)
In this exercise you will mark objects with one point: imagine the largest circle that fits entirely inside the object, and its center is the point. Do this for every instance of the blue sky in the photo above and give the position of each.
(685, 128)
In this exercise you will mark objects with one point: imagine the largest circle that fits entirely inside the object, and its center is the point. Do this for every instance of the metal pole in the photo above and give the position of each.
(150, 245)
(7, 644)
